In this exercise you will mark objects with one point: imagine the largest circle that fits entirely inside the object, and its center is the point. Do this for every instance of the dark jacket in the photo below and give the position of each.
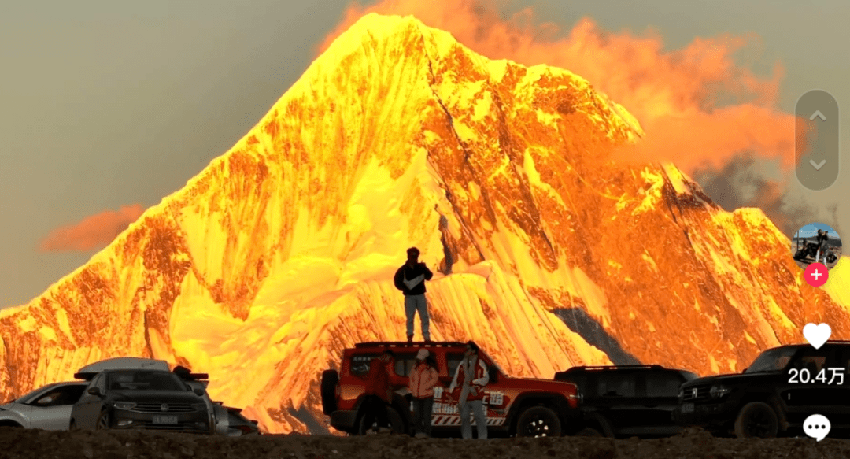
(380, 380)
(408, 272)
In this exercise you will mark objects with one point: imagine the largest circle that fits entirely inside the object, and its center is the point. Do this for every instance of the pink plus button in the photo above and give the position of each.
(816, 274)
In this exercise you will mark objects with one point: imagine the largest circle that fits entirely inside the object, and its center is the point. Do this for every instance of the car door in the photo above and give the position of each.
(445, 412)
(812, 386)
(86, 410)
(617, 400)
(404, 363)
(52, 410)
(839, 387)
(661, 389)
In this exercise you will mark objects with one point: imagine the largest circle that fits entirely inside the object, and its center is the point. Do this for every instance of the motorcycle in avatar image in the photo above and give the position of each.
(810, 250)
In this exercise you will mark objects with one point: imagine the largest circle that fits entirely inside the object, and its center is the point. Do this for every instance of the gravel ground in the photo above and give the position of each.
(31, 444)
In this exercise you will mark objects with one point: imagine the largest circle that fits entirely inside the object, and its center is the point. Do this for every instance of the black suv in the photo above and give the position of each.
(775, 395)
(627, 400)
(141, 399)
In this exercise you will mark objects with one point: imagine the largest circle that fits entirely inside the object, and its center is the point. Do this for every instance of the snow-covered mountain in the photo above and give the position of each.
(281, 252)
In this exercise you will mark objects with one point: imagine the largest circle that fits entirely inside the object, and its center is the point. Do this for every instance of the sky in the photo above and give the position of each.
(107, 107)
(812, 229)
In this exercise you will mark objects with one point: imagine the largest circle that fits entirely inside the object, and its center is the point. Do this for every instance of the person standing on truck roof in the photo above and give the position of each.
(471, 376)
(410, 279)
(378, 393)
(421, 383)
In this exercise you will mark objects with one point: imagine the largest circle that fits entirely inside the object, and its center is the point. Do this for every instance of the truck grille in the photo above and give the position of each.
(696, 393)
(157, 408)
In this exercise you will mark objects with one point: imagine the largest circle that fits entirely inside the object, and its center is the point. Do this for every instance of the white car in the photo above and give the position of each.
(47, 408)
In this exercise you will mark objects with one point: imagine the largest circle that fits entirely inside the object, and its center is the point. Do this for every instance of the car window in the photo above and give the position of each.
(48, 399)
(359, 364)
(814, 360)
(404, 363)
(452, 362)
(663, 384)
(144, 380)
(615, 386)
(29, 396)
(71, 394)
(490, 362)
(99, 382)
(772, 360)
(62, 395)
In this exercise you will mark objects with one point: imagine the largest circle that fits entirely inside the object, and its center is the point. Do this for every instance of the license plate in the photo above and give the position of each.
(165, 419)
(688, 408)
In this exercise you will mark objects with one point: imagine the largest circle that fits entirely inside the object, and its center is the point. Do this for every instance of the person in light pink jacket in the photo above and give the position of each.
(421, 383)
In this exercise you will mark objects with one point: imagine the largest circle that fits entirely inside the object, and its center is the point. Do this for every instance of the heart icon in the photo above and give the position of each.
(816, 335)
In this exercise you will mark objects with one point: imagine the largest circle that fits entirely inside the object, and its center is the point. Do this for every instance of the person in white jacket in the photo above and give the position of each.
(471, 376)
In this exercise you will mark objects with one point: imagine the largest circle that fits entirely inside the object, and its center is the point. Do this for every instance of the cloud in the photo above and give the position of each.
(92, 232)
(698, 106)
(750, 181)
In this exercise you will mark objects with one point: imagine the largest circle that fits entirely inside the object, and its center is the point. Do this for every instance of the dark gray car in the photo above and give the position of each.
(141, 399)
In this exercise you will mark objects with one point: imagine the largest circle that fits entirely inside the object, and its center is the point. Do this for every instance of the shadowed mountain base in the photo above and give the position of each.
(592, 331)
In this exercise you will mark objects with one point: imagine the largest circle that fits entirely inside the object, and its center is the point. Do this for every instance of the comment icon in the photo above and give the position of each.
(816, 426)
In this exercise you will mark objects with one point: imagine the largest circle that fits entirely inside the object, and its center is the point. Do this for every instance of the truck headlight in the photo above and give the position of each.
(719, 391)
(124, 405)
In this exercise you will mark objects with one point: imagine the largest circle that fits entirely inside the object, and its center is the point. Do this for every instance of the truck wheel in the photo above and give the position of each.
(538, 421)
(757, 419)
(103, 421)
(596, 426)
(330, 378)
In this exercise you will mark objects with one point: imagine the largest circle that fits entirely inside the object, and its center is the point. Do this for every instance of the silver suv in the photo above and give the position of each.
(47, 408)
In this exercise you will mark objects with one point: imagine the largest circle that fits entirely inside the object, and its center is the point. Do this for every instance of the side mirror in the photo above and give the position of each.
(494, 375)
(198, 391)
(94, 391)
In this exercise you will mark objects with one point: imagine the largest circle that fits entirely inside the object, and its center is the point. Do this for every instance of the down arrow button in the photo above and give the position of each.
(817, 131)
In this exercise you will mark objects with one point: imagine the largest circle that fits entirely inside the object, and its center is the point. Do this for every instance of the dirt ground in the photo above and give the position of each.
(31, 444)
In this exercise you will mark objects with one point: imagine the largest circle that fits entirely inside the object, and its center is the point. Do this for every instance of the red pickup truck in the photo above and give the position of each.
(514, 406)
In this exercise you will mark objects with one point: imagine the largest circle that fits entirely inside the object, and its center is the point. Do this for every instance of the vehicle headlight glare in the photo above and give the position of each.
(718, 391)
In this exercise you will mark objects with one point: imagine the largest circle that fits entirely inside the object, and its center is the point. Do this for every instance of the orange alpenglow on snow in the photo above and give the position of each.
(282, 251)
(699, 106)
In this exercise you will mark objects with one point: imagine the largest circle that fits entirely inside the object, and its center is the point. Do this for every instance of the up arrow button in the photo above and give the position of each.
(817, 114)
(816, 146)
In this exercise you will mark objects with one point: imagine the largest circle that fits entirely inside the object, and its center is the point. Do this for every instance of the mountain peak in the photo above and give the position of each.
(282, 251)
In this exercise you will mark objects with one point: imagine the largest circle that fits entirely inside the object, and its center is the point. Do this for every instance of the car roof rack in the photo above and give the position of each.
(200, 377)
(406, 344)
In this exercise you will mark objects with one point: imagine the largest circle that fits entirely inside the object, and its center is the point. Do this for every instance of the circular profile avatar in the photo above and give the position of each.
(816, 243)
